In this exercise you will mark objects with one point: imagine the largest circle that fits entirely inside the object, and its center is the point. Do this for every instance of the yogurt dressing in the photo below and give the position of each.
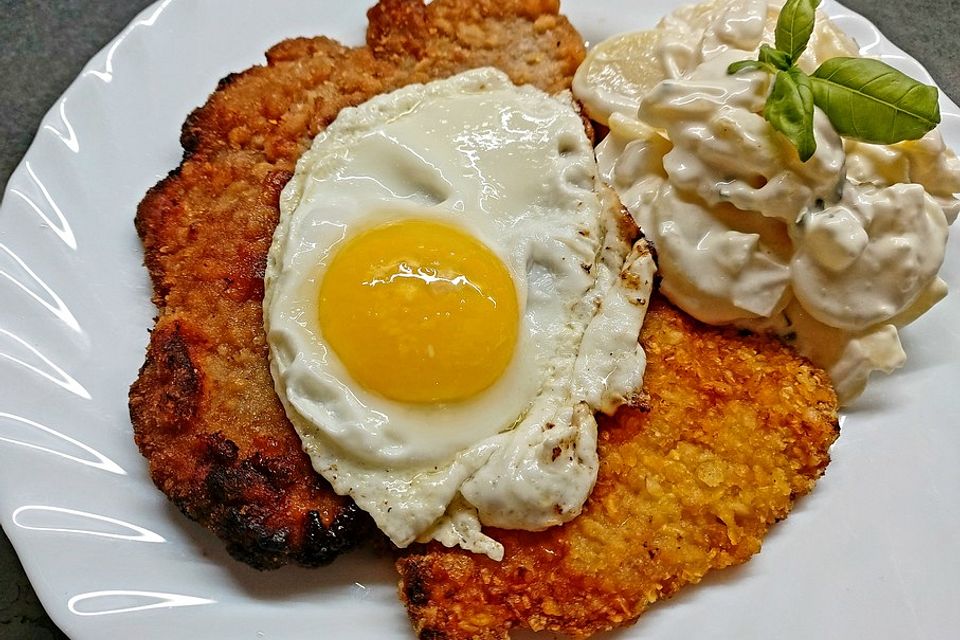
(834, 254)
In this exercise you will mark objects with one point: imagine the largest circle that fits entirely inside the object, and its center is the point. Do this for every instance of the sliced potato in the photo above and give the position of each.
(617, 73)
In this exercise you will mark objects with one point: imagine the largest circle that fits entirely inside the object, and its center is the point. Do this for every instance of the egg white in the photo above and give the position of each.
(512, 167)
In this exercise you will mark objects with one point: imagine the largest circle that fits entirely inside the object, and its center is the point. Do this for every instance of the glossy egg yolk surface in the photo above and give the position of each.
(419, 311)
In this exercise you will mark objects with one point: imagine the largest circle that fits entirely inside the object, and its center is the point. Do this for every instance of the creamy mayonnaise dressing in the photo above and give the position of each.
(834, 254)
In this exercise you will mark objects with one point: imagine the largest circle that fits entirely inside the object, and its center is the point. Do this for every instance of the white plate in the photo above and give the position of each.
(874, 552)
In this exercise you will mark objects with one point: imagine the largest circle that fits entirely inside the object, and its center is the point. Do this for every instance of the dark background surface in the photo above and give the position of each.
(44, 44)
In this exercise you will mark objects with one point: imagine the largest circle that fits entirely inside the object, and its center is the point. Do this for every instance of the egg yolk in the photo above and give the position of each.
(419, 311)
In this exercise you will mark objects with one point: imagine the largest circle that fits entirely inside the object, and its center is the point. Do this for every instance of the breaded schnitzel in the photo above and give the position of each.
(203, 409)
(734, 429)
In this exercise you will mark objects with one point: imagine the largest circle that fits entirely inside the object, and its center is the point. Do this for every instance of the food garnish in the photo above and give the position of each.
(865, 99)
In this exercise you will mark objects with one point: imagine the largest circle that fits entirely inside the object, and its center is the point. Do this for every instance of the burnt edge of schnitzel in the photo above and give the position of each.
(204, 411)
(234, 495)
(732, 430)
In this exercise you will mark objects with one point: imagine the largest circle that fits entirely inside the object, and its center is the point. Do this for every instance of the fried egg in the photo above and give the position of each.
(449, 299)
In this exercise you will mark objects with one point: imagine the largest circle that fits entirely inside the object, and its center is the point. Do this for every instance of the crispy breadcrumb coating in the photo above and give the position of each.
(734, 429)
(203, 409)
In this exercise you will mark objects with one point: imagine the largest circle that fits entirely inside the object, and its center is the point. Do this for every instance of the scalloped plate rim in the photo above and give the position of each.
(51, 588)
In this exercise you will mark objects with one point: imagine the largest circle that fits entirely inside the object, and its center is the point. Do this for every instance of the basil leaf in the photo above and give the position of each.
(871, 101)
(795, 25)
(790, 110)
(737, 67)
(774, 57)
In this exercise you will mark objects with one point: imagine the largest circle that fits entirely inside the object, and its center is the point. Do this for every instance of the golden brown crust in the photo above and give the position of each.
(203, 408)
(734, 429)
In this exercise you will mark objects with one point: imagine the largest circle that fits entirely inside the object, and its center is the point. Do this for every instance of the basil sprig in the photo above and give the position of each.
(790, 109)
(865, 99)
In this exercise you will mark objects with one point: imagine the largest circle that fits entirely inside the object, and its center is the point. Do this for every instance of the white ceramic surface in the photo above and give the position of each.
(873, 553)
